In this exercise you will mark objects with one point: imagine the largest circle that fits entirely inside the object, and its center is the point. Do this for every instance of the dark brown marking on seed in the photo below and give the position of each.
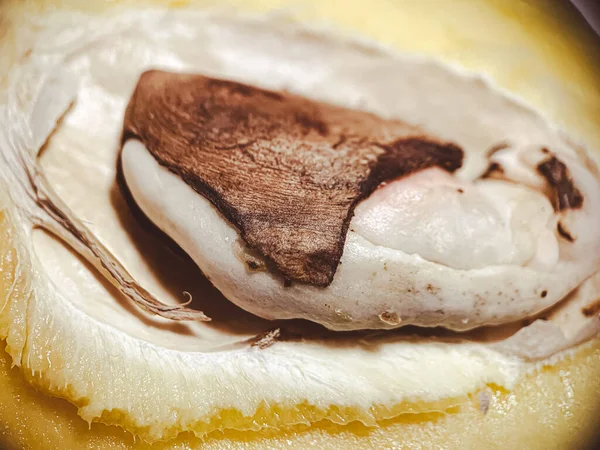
(564, 232)
(565, 193)
(544, 293)
(311, 122)
(432, 289)
(340, 141)
(493, 168)
(252, 265)
(390, 317)
(266, 160)
(593, 309)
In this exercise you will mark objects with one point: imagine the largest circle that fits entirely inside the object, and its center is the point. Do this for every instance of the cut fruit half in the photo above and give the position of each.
(75, 336)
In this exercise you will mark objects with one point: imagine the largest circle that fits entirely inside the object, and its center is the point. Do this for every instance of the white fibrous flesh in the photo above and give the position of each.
(456, 251)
